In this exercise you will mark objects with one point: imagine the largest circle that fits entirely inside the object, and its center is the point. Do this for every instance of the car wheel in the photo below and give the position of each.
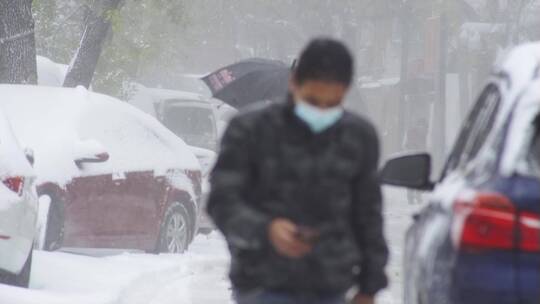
(176, 230)
(22, 279)
(54, 231)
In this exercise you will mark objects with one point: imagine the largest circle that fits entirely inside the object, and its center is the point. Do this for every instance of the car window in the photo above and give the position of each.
(533, 157)
(475, 129)
(195, 125)
(484, 123)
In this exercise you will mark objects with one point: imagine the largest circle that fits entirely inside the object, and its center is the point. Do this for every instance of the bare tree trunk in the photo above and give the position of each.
(17, 43)
(98, 25)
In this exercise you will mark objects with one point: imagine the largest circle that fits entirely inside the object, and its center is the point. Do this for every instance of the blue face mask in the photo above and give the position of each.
(316, 118)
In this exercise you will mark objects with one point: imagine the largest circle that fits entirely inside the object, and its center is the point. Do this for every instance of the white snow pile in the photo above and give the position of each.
(50, 73)
(62, 125)
(198, 276)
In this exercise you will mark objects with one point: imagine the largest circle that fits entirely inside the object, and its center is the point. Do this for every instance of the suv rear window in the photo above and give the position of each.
(475, 130)
(196, 126)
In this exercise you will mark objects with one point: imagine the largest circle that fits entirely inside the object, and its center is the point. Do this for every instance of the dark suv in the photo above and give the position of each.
(478, 240)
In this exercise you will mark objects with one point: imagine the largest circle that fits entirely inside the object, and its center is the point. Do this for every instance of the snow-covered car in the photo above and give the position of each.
(18, 209)
(478, 240)
(198, 120)
(113, 177)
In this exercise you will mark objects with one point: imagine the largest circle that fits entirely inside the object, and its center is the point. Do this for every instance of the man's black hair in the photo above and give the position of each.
(325, 59)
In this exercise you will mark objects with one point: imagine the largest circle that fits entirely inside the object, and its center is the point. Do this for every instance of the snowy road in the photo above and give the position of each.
(198, 277)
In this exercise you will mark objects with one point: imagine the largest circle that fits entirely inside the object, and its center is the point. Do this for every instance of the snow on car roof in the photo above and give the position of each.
(518, 73)
(60, 124)
(521, 130)
(514, 75)
(521, 65)
(158, 93)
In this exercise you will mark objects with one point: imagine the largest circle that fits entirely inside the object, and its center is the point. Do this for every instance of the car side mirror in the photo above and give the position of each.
(98, 158)
(29, 153)
(410, 171)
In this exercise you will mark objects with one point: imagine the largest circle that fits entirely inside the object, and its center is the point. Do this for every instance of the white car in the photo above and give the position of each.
(18, 209)
(478, 238)
(198, 120)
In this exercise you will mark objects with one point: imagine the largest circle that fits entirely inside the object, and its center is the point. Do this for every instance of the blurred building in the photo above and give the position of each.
(431, 60)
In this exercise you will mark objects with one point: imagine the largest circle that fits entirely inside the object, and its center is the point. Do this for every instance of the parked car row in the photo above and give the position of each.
(478, 240)
(107, 176)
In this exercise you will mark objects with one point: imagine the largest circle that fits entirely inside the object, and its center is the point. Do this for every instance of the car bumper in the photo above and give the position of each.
(495, 278)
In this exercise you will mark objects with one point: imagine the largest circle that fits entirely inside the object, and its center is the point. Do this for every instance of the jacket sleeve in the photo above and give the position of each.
(368, 221)
(243, 226)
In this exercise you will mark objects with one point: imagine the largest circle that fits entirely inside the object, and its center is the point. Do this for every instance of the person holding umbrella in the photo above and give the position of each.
(296, 194)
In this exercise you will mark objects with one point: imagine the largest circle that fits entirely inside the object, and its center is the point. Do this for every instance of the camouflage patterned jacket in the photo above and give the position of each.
(272, 165)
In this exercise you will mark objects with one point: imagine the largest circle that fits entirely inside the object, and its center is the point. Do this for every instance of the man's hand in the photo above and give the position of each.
(284, 237)
(363, 299)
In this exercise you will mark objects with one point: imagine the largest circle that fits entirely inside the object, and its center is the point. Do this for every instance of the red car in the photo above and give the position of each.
(109, 175)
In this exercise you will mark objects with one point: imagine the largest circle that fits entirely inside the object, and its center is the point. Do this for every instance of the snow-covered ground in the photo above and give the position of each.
(197, 277)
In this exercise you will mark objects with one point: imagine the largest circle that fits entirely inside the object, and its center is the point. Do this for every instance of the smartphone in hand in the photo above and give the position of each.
(307, 234)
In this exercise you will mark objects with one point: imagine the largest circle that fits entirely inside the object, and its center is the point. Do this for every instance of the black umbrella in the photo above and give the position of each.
(249, 81)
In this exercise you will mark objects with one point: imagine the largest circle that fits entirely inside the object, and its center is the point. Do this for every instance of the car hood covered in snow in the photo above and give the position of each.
(58, 123)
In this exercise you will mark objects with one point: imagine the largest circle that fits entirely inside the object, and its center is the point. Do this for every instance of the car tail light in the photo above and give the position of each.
(15, 184)
(529, 227)
(491, 221)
